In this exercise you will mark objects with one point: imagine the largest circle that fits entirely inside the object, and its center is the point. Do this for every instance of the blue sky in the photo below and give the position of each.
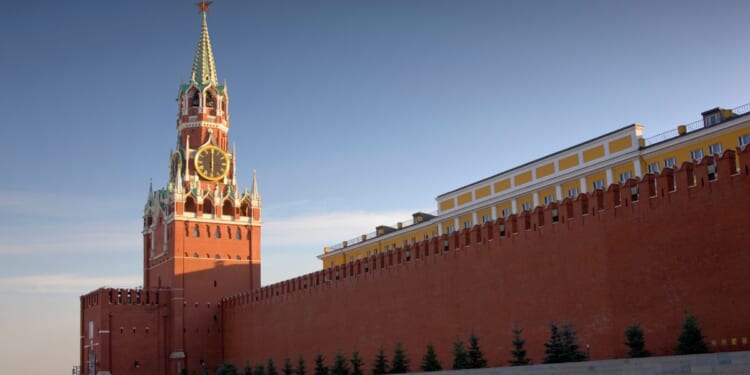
(353, 113)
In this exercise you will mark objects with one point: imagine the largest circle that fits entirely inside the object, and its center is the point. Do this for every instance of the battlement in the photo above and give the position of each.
(652, 191)
(119, 296)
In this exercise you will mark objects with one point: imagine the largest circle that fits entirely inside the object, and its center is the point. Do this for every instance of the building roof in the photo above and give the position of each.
(524, 165)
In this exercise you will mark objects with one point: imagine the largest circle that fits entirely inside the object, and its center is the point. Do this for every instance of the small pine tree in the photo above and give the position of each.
(340, 365)
(553, 349)
(691, 338)
(271, 368)
(301, 369)
(430, 361)
(356, 364)
(248, 369)
(460, 358)
(400, 363)
(519, 351)
(571, 350)
(476, 358)
(227, 369)
(287, 369)
(259, 370)
(320, 367)
(380, 365)
(635, 341)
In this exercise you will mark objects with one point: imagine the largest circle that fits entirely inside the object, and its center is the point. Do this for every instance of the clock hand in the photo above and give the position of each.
(213, 156)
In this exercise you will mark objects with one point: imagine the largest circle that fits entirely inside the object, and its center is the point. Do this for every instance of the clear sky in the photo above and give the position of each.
(353, 113)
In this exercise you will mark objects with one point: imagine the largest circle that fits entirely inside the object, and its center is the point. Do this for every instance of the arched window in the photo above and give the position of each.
(217, 232)
(196, 231)
(189, 204)
(245, 209)
(227, 209)
(210, 100)
(208, 207)
(229, 233)
(238, 234)
(196, 100)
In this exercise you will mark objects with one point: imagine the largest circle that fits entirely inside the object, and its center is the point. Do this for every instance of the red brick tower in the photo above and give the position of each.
(201, 235)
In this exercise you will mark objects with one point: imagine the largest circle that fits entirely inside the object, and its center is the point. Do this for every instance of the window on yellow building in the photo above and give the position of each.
(653, 167)
(549, 199)
(506, 212)
(696, 154)
(449, 229)
(670, 162)
(624, 176)
(467, 224)
(486, 218)
(598, 184)
(573, 192)
(744, 139)
(526, 206)
(715, 148)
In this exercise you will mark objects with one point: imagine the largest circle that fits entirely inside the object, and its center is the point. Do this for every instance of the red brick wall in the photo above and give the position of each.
(647, 260)
(125, 331)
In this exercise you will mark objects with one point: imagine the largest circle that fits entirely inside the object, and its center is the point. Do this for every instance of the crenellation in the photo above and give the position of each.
(616, 196)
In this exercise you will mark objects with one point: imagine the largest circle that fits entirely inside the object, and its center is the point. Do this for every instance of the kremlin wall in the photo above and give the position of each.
(646, 251)
(614, 231)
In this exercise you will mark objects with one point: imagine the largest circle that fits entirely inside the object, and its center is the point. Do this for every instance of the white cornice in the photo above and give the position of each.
(202, 124)
(192, 217)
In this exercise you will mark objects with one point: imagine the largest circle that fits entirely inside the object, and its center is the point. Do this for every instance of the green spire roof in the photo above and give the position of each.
(204, 70)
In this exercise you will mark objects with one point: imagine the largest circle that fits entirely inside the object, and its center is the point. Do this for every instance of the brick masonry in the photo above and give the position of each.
(646, 251)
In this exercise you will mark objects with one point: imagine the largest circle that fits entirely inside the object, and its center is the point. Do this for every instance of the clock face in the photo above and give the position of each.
(211, 163)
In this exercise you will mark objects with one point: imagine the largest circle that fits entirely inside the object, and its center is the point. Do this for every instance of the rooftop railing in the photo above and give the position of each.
(365, 237)
(695, 125)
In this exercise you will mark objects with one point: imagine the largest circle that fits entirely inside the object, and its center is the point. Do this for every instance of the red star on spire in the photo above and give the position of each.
(203, 5)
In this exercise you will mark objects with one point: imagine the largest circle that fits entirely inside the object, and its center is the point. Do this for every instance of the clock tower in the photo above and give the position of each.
(201, 234)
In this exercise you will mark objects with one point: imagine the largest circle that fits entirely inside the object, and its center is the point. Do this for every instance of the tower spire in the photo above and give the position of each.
(204, 70)
(254, 193)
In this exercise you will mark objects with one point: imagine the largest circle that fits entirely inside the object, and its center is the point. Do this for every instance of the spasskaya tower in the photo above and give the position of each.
(201, 234)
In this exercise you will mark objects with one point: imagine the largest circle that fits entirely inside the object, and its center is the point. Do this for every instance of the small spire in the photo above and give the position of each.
(150, 197)
(254, 193)
(204, 69)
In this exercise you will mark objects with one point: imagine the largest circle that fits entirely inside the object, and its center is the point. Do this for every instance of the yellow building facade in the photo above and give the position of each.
(595, 164)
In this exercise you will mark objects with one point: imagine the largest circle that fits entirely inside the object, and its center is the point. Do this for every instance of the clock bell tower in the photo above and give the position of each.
(201, 234)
